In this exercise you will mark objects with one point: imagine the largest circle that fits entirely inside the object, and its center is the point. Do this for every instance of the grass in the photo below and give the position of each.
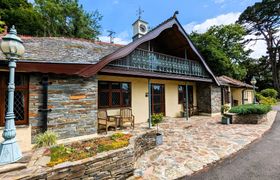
(250, 109)
(82, 150)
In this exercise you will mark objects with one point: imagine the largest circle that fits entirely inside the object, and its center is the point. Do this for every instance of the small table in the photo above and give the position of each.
(118, 119)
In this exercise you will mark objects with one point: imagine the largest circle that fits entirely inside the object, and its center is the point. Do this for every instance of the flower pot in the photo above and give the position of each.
(159, 139)
(225, 120)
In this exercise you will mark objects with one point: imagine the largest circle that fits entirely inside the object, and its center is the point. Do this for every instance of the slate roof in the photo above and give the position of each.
(228, 81)
(65, 50)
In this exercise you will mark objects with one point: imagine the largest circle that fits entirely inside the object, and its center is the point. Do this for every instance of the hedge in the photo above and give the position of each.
(250, 109)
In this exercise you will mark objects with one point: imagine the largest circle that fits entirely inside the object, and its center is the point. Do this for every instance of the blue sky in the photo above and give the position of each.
(118, 15)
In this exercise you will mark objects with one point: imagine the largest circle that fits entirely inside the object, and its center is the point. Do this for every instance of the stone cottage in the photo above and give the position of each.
(235, 92)
(62, 82)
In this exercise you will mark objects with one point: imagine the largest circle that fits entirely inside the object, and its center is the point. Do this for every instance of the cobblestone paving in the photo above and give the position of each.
(191, 145)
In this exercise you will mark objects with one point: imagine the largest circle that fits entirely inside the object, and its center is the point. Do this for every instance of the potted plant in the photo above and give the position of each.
(157, 118)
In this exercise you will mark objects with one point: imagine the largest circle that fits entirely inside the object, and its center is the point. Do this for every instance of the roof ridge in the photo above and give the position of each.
(28, 37)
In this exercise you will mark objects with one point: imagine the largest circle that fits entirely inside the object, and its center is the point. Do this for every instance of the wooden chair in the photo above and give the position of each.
(126, 116)
(105, 120)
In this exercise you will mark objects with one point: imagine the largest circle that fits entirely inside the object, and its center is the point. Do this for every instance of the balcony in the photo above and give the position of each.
(157, 62)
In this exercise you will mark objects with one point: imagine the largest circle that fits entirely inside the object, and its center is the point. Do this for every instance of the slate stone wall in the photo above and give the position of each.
(73, 101)
(208, 98)
(249, 119)
(216, 99)
(115, 164)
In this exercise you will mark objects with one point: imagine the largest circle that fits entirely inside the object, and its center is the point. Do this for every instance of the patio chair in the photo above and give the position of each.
(126, 116)
(105, 120)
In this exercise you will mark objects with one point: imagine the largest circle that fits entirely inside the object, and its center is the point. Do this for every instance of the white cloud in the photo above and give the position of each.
(224, 19)
(120, 38)
(259, 47)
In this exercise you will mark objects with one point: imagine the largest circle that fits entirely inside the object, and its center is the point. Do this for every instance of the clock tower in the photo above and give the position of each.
(140, 27)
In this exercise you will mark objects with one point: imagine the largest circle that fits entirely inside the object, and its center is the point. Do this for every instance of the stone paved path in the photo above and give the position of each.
(191, 145)
(261, 161)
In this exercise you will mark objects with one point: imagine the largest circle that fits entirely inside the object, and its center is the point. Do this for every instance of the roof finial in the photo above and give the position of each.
(175, 14)
(13, 30)
(139, 12)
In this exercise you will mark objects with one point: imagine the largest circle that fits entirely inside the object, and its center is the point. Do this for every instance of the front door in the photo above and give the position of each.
(158, 99)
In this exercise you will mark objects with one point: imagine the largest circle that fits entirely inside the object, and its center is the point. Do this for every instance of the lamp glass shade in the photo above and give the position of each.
(253, 81)
(12, 48)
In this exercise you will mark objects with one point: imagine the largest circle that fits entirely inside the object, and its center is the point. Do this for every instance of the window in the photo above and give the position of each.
(226, 95)
(114, 94)
(20, 98)
(182, 94)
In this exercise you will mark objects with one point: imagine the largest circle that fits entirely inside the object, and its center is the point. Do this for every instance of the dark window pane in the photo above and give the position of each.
(157, 109)
(104, 99)
(126, 99)
(18, 105)
(157, 99)
(20, 80)
(116, 96)
(103, 85)
(116, 86)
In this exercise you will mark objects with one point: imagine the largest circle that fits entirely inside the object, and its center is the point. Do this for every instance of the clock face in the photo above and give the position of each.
(143, 28)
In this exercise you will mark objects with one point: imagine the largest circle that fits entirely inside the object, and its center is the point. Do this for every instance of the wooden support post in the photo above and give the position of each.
(150, 102)
(187, 103)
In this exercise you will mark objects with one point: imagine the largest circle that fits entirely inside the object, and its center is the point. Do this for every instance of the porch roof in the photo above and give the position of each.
(228, 81)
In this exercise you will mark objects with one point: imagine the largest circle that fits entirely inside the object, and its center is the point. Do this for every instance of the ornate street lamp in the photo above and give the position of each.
(253, 82)
(12, 47)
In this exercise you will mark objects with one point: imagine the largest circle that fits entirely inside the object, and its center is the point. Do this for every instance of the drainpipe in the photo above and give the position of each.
(44, 108)
(187, 103)
(150, 102)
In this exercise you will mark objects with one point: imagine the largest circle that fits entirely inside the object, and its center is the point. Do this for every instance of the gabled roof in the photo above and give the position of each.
(228, 81)
(64, 50)
(124, 51)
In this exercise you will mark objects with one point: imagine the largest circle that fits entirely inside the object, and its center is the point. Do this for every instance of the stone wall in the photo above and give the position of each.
(208, 98)
(216, 99)
(204, 97)
(144, 143)
(73, 101)
(249, 119)
(115, 164)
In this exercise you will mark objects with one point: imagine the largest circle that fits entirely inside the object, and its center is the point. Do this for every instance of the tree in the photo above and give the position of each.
(67, 18)
(263, 21)
(51, 18)
(260, 68)
(2, 23)
(21, 14)
(223, 49)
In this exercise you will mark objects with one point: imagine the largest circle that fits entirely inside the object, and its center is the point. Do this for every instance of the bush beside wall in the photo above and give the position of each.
(250, 109)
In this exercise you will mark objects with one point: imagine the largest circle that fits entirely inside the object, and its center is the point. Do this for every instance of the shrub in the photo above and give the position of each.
(47, 138)
(268, 101)
(85, 149)
(265, 100)
(225, 108)
(250, 109)
(157, 118)
(269, 92)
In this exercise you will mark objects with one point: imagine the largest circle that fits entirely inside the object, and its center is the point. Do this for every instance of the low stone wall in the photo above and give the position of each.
(249, 119)
(116, 164)
(144, 143)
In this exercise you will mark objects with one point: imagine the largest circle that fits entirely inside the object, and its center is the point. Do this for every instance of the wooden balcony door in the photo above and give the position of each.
(158, 98)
